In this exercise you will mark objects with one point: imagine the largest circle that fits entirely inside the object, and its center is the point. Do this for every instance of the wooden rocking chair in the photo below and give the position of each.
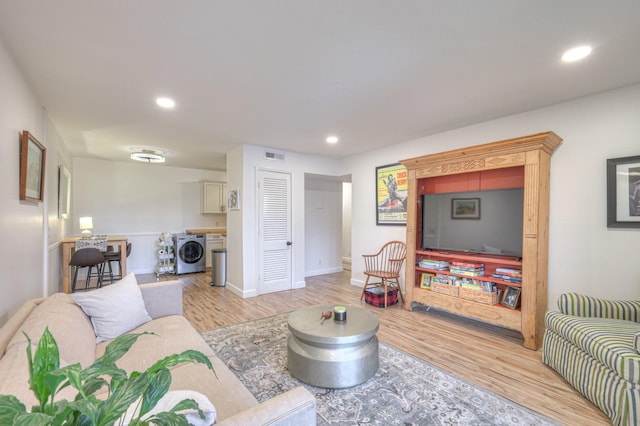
(385, 265)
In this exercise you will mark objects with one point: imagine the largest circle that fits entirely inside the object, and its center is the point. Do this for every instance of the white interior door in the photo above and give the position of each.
(274, 200)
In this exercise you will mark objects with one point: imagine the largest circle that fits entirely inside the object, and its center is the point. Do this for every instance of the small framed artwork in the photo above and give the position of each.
(623, 192)
(511, 297)
(425, 280)
(465, 208)
(32, 164)
(64, 192)
(234, 199)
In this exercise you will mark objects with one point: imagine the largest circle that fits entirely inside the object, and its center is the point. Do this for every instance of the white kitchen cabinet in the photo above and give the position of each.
(213, 198)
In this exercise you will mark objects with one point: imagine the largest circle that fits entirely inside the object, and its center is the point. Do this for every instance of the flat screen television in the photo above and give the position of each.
(478, 221)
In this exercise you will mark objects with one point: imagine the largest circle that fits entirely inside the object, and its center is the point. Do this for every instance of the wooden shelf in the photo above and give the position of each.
(530, 157)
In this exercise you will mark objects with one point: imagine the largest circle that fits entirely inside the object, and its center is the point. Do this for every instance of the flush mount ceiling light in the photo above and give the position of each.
(166, 102)
(332, 139)
(576, 53)
(148, 156)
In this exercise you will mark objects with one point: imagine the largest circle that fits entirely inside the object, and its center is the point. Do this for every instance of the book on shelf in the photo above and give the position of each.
(441, 265)
(472, 265)
(467, 272)
(509, 271)
(508, 278)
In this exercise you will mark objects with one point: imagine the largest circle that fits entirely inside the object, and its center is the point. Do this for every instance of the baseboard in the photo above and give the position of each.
(323, 271)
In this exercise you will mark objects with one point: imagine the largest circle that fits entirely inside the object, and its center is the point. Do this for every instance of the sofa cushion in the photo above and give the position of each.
(175, 335)
(587, 306)
(70, 328)
(115, 309)
(67, 323)
(610, 341)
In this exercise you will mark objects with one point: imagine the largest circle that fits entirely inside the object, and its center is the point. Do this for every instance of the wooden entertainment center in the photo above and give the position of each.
(522, 162)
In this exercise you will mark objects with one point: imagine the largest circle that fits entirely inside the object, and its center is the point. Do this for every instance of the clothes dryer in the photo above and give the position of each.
(190, 253)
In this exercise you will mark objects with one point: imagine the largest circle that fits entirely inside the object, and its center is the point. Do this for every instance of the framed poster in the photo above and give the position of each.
(32, 163)
(623, 192)
(391, 195)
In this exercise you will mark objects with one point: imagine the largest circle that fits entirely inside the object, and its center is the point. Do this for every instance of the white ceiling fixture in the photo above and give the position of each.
(167, 103)
(148, 156)
(576, 54)
(332, 139)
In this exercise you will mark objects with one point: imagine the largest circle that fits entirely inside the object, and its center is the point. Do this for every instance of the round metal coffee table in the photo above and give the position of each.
(332, 354)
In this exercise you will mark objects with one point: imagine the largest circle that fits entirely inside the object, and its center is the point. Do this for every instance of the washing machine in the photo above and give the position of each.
(190, 253)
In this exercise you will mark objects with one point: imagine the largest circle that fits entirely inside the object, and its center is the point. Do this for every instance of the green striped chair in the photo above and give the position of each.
(594, 344)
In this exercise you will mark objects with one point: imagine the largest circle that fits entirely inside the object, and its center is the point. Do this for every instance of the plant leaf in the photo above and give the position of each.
(118, 402)
(10, 407)
(45, 360)
(158, 387)
(33, 419)
(175, 359)
(187, 404)
(168, 419)
(89, 408)
(118, 347)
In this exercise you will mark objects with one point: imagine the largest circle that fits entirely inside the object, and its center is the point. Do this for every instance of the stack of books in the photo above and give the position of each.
(468, 269)
(509, 275)
(442, 278)
(438, 265)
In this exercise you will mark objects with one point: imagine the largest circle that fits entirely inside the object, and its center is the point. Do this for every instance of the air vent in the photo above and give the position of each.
(273, 156)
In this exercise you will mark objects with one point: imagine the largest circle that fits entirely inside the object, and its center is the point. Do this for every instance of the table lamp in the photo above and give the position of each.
(86, 224)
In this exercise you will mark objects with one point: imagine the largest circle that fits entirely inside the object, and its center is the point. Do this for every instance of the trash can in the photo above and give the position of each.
(219, 267)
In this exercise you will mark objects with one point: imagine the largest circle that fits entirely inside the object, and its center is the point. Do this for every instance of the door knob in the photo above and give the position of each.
(289, 243)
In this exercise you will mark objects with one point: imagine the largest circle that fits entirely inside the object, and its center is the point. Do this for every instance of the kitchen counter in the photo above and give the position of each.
(222, 231)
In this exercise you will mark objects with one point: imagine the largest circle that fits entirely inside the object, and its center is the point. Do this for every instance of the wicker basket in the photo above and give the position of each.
(447, 289)
(486, 297)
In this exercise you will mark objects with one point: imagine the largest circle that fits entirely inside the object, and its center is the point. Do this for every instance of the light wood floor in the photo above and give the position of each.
(490, 357)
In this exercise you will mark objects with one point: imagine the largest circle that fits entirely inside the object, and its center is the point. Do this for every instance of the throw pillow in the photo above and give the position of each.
(114, 309)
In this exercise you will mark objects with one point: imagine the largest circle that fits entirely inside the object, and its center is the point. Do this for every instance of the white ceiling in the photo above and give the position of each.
(287, 73)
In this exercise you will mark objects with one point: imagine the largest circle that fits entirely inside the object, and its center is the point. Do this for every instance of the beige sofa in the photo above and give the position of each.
(73, 331)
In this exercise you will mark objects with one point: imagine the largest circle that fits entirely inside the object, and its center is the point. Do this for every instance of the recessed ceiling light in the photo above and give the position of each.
(576, 53)
(166, 102)
(332, 139)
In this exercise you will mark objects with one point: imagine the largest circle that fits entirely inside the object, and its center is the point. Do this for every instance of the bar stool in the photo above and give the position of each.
(87, 258)
(114, 256)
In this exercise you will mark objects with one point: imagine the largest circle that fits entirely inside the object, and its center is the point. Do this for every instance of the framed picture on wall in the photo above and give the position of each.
(64, 192)
(391, 195)
(465, 208)
(32, 164)
(623, 192)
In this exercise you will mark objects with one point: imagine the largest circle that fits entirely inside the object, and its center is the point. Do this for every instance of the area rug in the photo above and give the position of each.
(404, 391)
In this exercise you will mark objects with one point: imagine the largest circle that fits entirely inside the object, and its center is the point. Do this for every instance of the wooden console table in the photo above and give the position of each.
(69, 246)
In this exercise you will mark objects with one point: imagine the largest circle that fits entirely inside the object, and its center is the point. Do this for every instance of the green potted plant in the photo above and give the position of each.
(139, 390)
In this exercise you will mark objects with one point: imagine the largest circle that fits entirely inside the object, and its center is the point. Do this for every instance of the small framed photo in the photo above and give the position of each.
(234, 199)
(623, 192)
(32, 163)
(465, 208)
(425, 280)
(511, 297)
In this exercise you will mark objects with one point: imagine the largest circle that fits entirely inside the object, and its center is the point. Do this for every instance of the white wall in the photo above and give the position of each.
(242, 273)
(322, 226)
(30, 230)
(584, 255)
(140, 201)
